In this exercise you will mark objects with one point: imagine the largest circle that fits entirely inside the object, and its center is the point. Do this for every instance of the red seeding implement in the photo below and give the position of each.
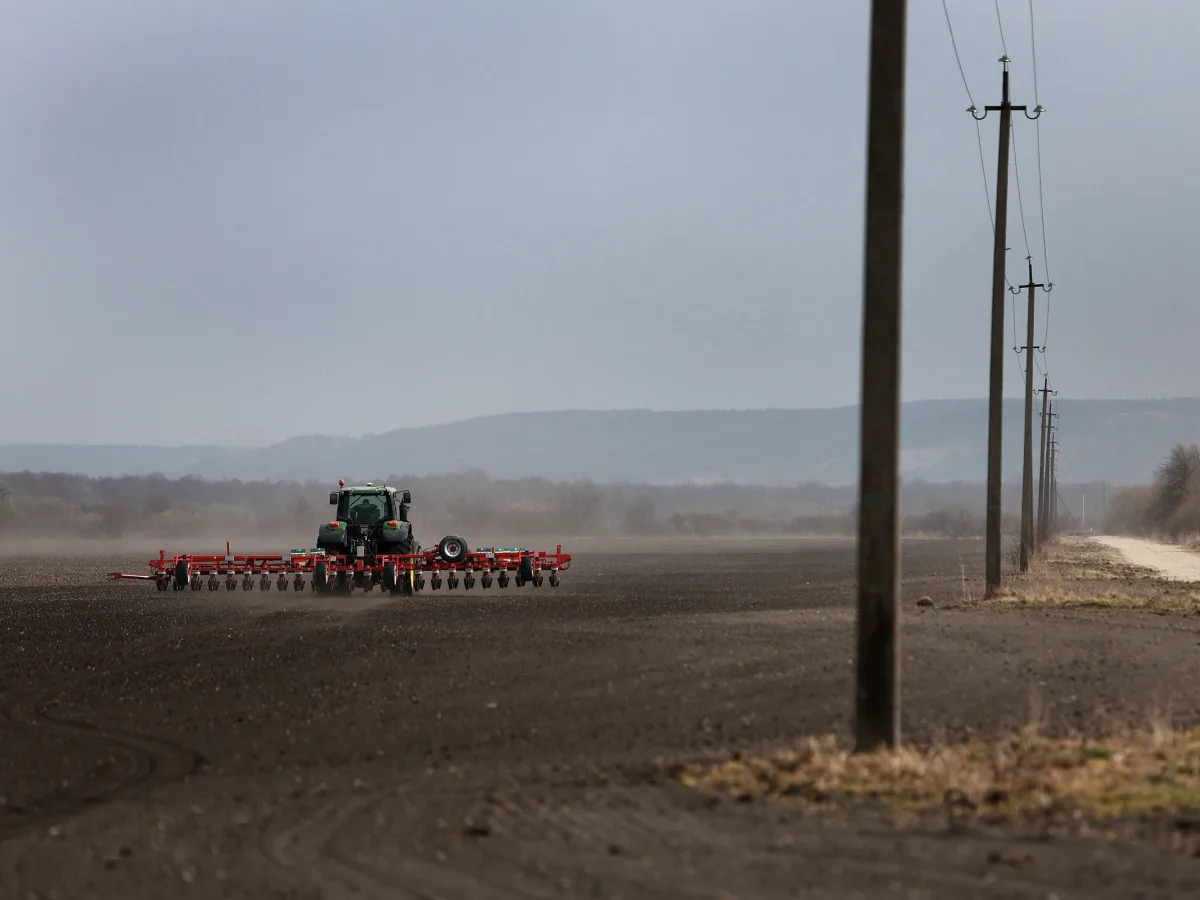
(369, 544)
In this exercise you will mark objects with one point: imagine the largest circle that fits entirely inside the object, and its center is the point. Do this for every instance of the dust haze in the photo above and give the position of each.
(590, 275)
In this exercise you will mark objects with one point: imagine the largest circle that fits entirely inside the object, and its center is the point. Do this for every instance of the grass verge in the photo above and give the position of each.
(1020, 776)
(1164, 601)
(1078, 573)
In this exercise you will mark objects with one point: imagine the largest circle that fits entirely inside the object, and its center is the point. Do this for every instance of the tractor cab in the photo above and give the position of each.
(371, 520)
(370, 505)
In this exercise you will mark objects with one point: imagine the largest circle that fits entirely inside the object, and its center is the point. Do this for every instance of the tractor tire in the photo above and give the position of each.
(390, 577)
(406, 547)
(321, 578)
(452, 548)
(182, 575)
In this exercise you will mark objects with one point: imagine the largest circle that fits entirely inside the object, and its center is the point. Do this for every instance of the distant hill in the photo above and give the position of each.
(1121, 441)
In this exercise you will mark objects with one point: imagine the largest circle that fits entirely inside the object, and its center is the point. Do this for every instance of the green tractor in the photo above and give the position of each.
(372, 521)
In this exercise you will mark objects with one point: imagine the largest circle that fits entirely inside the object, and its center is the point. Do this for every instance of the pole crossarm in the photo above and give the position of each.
(1037, 110)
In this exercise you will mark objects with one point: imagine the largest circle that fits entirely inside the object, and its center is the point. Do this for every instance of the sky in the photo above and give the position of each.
(232, 223)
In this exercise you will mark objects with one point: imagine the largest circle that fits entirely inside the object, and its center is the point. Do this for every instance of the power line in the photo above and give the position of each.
(1016, 348)
(1046, 329)
(957, 58)
(1038, 131)
(1041, 201)
(1016, 167)
(987, 194)
(1044, 365)
(1003, 43)
(1029, 255)
(1014, 321)
(1033, 49)
(1020, 201)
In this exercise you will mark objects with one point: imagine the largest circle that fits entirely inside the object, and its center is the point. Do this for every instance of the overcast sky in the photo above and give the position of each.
(234, 222)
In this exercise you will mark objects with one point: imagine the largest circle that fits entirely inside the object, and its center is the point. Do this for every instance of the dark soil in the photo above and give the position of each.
(512, 743)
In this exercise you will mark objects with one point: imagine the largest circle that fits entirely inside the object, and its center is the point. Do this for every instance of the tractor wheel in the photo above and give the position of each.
(390, 578)
(321, 577)
(452, 548)
(525, 570)
(182, 575)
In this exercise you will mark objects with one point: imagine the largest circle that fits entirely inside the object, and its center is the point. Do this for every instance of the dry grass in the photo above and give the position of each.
(1018, 777)
(1077, 573)
(1166, 601)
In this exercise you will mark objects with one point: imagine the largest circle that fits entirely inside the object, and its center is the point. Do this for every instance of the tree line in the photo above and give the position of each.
(471, 503)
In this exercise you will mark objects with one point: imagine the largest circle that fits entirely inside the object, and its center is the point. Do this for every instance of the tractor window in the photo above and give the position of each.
(369, 509)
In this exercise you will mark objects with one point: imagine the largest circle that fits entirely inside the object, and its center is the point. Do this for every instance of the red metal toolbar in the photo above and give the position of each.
(196, 570)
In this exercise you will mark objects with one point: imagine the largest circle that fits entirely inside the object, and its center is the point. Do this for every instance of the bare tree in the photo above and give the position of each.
(1174, 475)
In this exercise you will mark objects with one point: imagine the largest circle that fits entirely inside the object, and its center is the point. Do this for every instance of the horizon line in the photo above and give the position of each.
(577, 410)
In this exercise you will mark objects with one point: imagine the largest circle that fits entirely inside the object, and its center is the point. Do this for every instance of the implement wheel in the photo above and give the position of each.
(452, 548)
(524, 571)
(402, 586)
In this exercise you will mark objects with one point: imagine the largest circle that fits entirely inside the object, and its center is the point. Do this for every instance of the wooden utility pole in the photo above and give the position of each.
(1051, 415)
(1027, 466)
(877, 674)
(996, 380)
(1041, 502)
(1049, 481)
(1057, 496)
(1053, 487)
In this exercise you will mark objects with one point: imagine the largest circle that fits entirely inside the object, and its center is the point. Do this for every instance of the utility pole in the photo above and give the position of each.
(1053, 487)
(1027, 464)
(1041, 504)
(1058, 504)
(1051, 415)
(877, 673)
(996, 380)
(1049, 482)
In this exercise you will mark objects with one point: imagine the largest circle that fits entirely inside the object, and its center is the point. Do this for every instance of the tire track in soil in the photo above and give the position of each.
(527, 845)
(647, 819)
(306, 853)
(139, 759)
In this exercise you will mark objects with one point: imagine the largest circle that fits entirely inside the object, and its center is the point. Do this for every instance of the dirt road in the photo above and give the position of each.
(512, 744)
(1168, 560)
